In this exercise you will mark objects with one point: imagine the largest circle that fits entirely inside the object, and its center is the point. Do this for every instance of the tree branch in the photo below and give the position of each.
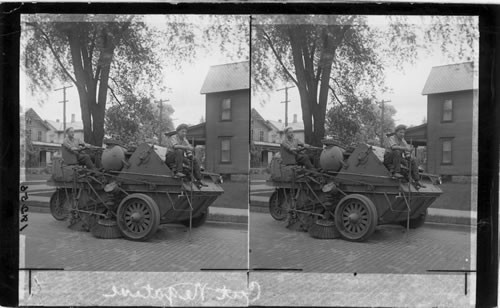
(335, 96)
(270, 43)
(47, 40)
(114, 95)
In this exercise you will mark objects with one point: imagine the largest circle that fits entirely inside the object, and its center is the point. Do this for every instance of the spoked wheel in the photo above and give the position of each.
(198, 220)
(138, 217)
(279, 204)
(60, 205)
(356, 217)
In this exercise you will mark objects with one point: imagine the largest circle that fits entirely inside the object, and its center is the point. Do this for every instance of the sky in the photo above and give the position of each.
(185, 85)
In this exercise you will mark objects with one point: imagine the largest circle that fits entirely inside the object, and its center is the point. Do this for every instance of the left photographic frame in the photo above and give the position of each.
(134, 159)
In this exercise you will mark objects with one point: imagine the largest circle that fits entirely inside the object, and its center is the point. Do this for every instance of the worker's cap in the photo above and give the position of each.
(181, 126)
(67, 129)
(400, 127)
(287, 129)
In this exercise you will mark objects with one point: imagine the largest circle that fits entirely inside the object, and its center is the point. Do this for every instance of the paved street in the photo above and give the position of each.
(432, 247)
(51, 244)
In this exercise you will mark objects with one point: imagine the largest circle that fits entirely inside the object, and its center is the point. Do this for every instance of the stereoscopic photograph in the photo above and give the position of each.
(187, 160)
(134, 142)
(364, 144)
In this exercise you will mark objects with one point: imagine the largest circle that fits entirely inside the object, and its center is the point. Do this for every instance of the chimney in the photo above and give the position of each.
(279, 120)
(57, 120)
(72, 118)
(295, 118)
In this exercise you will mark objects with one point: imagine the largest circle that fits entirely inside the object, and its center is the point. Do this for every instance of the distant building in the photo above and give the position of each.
(56, 133)
(227, 90)
(298, 128)
(267, 135)
(265, 140)
(448, 134)
(39, 151)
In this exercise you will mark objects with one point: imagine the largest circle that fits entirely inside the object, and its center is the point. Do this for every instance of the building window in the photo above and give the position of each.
(29, 134)
(226, 110)
(251, 135)
(261, 135)
(447, 110)
(225, 150)
(447, 151)
(39, 137)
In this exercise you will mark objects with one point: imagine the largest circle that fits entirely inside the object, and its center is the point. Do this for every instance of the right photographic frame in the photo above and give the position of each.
(364, 159)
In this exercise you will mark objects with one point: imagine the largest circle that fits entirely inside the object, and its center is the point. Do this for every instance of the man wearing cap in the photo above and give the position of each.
(176, 146)
(290, 150)
(73, 145)
(396, 147)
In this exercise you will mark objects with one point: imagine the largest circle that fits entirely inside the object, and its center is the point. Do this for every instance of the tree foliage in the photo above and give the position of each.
(342, 59)
(360, 122)
(138, 120)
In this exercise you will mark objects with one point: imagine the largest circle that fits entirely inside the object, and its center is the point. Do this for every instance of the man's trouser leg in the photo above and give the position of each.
(414, 170)
(85, 159)
(304, 160)
(396, 160)
(176, 157)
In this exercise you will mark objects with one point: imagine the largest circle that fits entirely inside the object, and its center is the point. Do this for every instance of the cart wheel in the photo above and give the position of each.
(416, 222)
(356, 217)
(278, 205)
(198, 221)
(59, 207)
(138, 217)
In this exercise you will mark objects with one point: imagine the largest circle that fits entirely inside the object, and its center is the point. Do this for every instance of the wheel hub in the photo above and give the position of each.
(136, 217)
(354, 218)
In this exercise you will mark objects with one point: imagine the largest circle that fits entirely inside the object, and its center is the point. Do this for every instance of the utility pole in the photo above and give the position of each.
(382, 124)
(64, 107)
(161, 116)
(286, 102)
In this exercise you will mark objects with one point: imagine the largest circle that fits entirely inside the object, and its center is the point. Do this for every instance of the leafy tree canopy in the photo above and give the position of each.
(137, 120)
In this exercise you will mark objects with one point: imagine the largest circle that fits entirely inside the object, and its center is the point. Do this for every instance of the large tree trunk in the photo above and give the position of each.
(309, 82)
(313, 106)
(92, 89)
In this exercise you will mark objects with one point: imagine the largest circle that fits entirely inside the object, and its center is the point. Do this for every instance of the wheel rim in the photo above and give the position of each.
(137, 218)
(58, 206)
(278, 205)
(355, 218)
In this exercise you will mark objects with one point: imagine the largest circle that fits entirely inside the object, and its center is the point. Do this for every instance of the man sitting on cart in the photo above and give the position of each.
(398, 152)
(291, 149)
(74, 145)
(176, 147)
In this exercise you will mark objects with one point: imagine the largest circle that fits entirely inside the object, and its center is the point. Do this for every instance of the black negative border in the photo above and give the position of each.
(489, 67)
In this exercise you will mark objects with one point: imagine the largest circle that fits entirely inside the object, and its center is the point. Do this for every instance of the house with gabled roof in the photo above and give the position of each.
(264, 138)
(40, 150)
(227, 95)
(448, 134)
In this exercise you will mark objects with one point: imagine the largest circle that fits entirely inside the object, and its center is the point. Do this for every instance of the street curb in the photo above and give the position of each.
(41, 207)
(263, 207)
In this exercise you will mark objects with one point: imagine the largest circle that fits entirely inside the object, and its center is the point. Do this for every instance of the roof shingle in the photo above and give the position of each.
(226, 77)
(450, 78)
